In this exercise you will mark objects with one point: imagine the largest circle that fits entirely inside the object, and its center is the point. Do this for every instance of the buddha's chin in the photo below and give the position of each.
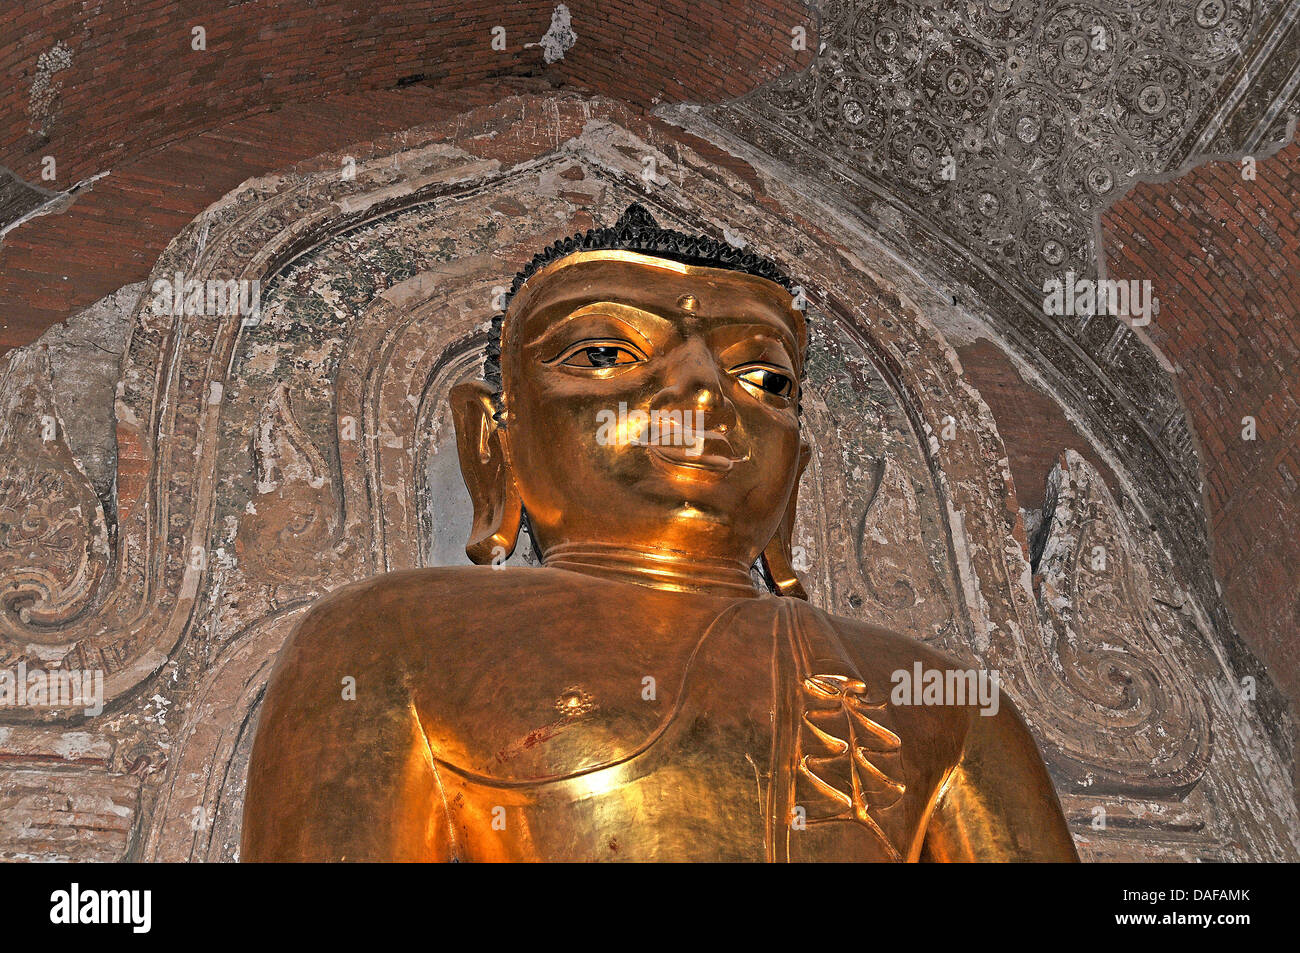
(703, 490)
(692, 508)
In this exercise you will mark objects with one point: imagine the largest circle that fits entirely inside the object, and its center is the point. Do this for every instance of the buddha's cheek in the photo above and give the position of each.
(768, 475)
(564, 457)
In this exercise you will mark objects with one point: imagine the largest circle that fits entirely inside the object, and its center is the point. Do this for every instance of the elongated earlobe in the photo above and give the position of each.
(485, 467)
(777, 557)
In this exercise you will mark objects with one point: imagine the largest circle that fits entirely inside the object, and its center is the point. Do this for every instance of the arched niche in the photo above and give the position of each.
(311, 449)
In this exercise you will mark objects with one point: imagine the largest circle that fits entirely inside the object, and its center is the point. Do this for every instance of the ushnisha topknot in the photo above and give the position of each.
(637, 231)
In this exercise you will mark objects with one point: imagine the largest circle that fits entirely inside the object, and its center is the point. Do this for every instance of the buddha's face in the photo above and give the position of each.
(652, 405)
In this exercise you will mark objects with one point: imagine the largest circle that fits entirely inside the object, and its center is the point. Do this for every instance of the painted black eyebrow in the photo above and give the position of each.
(787, 340)
(556, 327)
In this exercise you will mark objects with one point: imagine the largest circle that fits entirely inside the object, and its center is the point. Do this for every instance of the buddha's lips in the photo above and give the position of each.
(716, 455)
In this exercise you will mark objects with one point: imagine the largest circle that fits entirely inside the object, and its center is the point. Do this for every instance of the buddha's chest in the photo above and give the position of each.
(725, 751)
(683, 803)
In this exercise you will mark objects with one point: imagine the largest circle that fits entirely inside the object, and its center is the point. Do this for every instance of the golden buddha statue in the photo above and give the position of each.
(636, 697)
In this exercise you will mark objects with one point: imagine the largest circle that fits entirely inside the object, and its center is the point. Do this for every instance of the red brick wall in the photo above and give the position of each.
(135, 84)
(1034, 429)
(56, 264)
(1223, 254)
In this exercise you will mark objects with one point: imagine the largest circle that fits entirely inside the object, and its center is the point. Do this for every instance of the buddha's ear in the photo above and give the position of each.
(777, 556)
(485, 467)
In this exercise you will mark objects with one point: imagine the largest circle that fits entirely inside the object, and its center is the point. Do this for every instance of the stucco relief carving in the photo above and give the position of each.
(1079, 98)
(296, 509)
(54, 544)
(1130, 641)
(1110, 637)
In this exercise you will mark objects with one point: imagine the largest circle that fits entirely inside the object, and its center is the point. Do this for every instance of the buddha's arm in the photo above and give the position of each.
(333, 778)
(999, 803)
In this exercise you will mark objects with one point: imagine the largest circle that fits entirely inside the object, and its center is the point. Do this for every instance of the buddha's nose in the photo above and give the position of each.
(695, 381)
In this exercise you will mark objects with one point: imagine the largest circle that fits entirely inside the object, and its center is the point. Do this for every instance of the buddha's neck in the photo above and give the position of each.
(659, 569)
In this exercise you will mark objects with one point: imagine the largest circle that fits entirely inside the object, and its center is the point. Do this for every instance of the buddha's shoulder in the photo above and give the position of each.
(450, 590)
(929, 683)
(880, 647)
(435, 609)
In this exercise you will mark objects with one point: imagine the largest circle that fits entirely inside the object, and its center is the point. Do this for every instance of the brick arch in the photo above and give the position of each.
(94, 84)
(1223, 253)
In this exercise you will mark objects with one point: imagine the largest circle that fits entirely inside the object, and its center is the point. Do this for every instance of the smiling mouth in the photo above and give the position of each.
(688, 457)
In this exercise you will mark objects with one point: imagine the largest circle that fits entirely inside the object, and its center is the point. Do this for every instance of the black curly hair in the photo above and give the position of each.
(636, 230)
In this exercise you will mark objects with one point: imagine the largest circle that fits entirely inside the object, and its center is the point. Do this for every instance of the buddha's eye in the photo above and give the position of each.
(767, 380)
(600, 354)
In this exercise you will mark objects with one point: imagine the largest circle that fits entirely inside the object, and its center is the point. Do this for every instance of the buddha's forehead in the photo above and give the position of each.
(701, 296)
